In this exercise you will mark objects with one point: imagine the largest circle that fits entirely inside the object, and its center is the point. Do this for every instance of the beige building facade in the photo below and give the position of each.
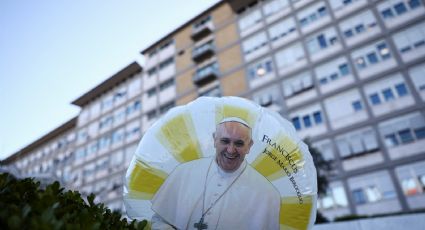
(349, 74)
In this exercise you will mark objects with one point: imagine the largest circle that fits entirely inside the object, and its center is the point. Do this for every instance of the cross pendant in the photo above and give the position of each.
(200, 225)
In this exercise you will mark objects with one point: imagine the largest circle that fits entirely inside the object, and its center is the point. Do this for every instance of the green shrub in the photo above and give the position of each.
(24, 205)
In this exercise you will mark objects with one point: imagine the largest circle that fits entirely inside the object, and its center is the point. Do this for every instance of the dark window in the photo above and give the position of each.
(359, 196)
(388, 94)
(322, 41)
(357, 105)
(343, 69)
(372, 58)
(323, 81)
(401, 89)
(405, 49)
(151, 92)
(296, 123)
(269, 66)
(400, 8)
(414, 4)
(359, 28)
(387, 13)
(419, 43)
(322, 11)
(152, 71)
(303, 22)
(420, 133)
(374, 98)
(307, 121)
(317, 117)
(391, 140)
(348, 33)
(334, 76)
(405, 136)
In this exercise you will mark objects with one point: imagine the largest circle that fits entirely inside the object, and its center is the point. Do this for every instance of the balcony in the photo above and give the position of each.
(206, 74)
(202, 52)
(201, 31)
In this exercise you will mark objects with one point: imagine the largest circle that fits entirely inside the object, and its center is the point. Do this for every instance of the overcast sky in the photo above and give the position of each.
(52, 52)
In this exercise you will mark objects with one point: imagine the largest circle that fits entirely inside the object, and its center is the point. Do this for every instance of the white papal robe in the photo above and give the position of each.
(252, 202)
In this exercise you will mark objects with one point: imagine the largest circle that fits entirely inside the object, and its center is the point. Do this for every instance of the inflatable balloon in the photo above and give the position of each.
(185, 133)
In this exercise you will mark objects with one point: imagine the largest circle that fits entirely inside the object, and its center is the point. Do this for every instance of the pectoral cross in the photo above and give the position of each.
(200, 225)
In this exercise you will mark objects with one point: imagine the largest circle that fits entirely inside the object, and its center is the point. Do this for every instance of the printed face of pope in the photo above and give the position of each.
(232, 141)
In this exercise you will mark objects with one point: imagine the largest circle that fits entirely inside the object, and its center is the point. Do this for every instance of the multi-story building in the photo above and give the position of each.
(349, 74)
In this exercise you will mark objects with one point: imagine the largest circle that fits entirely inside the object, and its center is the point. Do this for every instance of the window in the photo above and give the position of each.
(374, 98)
(282, 29)
(414, 3)
(400, 8)
(312, 14)
(403, 130)
(371, 55)
(388, 94)
(249, 20)
(163, 109)
(416, 74)
(298, 84)
(290, 55)
(207, 70)
(296, 122)
(359, 196)
(133, 107)
(341, 4)
(165, 85)
(317, 117)
(401, 89)
(412, 178)
(260, 69)
(357, 106)
(406, 136)
(151, 92)
(411, 39)
(332, 71)
(357, 142)
(393, 9)
(269, 97)
(213, 92)
(306, 121)
(387, 90)
(166, 44)
(274, 6)
(166, 63)
(152, 71)
(151, 115)
(372, 187)
(322, 40)
(202, 22)
(254, 43)
(334, 198)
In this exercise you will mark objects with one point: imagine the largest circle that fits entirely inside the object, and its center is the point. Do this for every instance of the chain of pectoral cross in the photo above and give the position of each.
(201, 225)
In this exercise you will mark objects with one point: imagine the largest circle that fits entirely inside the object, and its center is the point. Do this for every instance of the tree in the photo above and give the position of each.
(25, 205)
(322, 169)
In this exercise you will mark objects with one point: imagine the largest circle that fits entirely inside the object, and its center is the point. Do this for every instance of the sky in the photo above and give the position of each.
(52, 52)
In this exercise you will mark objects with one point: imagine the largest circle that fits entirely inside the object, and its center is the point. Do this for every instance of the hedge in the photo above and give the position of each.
(25, 205)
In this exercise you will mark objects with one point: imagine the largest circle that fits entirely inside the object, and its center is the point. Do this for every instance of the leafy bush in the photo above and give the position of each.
(24, 205)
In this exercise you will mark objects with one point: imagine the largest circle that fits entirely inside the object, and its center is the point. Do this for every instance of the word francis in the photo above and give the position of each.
(281, 150)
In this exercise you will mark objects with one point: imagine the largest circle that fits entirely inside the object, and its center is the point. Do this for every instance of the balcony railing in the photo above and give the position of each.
(206, 74)
(201, 31)
(202, 52)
